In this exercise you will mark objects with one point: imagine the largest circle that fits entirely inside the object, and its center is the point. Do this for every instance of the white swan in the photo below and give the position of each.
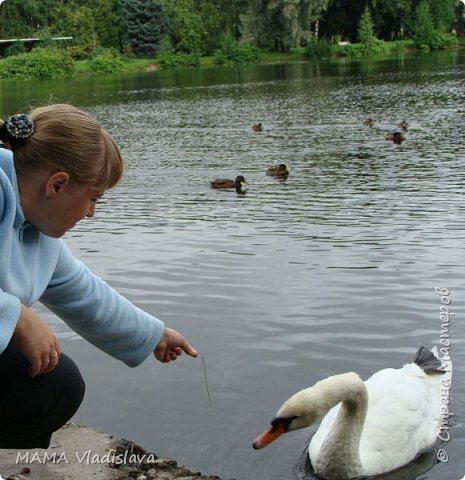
(371, 427)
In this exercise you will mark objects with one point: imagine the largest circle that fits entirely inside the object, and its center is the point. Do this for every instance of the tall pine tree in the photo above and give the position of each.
(142, 25)
(366, 27)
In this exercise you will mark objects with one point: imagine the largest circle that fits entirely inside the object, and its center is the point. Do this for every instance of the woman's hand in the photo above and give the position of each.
(36, 342)
(171, 345)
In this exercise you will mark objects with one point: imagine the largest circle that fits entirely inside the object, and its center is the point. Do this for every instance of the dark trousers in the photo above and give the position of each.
(31, 409)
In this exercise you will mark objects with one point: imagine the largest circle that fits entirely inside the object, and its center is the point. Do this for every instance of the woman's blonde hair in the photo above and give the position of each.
(68, 139)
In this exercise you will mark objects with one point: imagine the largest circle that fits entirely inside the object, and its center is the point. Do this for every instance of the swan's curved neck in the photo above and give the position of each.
(339, 456)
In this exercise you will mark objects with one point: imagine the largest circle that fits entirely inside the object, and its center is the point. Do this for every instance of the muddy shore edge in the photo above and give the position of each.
(78, 452)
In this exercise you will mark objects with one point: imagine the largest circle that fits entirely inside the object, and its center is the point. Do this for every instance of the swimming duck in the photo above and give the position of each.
(396, 137)
(370, 427)
(368, 122)
(278, 170)
(257, 127)
(403, 125)
(226, 183)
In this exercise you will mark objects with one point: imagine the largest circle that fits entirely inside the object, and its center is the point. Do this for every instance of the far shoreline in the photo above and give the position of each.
(297, 55)
(112, 64)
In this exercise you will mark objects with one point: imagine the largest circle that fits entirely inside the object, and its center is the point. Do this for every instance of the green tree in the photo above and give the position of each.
(366, 27)
(430, 32)
(143, 26)
(443, 13)
(341, 19)
(90, 22)
(391, 17)
(23, 18)
(184, 25)
(423, 31)
(106, 21)
(214, 24)
(78, 23)
(194, 26)
(280, 24)
(459, 24)
(229, 12)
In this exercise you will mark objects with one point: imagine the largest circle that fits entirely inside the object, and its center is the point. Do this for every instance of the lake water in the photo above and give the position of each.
(332, 270)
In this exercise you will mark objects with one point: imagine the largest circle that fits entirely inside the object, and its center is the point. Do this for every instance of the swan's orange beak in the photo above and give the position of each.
(269, 436)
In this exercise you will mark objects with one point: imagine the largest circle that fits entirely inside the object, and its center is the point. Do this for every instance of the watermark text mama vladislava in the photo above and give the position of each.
(88, 457)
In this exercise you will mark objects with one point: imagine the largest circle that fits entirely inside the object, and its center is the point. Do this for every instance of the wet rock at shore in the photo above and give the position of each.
(78, 452)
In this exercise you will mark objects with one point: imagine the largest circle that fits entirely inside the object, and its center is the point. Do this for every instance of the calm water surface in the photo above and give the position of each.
(332, 270)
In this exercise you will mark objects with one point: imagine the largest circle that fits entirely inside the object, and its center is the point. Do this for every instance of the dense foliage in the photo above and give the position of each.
(106, 62)
(428, 29)
(280, 24)
(142, 26)
(182, 31)
(39, 64)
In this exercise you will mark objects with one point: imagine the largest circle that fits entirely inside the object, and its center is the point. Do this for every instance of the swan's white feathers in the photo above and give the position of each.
(316, 396)
(368, 428)
(403, 419)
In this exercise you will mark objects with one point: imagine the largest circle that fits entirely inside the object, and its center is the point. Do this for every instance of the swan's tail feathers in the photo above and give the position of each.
(427, 361)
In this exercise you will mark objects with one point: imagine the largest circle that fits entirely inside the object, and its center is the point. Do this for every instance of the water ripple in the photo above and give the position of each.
(332, 269)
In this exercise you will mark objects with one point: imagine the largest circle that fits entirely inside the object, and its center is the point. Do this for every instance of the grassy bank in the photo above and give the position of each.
(83, 67)
(129, 65)
(294, 55)
(53, 63)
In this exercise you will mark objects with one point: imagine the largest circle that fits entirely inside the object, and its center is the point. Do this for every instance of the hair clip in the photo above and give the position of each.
(19, 126)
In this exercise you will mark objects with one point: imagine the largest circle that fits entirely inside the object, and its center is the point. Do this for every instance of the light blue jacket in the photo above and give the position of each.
(34, 267)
